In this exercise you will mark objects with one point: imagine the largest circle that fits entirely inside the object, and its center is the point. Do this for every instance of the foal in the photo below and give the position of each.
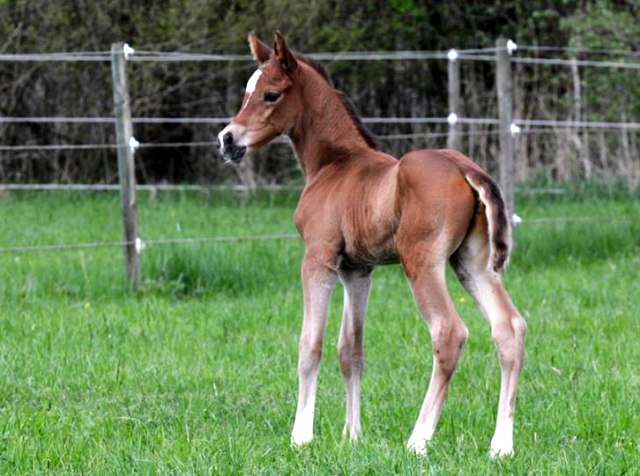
(360, 208)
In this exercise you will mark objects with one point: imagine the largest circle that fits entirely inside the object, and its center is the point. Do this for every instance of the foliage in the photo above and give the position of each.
(603, 25)
(384, 89)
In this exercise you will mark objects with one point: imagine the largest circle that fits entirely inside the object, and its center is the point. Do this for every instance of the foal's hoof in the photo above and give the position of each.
(301, 438)
(418, 446)
(501, 448)
(348, 436)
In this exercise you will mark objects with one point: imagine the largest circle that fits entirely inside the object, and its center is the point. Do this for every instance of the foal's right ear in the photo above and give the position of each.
(261, 52)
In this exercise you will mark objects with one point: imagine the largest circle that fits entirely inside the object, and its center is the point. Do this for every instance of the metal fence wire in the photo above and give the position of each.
(506, 127)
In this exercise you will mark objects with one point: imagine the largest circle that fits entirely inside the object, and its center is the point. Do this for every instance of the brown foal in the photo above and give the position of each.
(360, 208)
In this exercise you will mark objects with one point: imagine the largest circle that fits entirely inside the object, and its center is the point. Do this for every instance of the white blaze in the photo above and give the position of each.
(251, 85)
(253, 81)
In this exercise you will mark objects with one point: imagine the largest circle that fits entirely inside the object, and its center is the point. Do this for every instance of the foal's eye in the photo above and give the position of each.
(271, 97)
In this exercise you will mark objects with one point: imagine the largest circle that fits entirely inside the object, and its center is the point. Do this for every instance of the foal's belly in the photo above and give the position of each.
(370, 251)
(369, 229)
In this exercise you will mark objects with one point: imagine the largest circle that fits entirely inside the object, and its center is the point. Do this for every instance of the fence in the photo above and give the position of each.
(508, 127)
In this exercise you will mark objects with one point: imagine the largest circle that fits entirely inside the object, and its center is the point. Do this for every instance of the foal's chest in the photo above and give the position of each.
(355, 211)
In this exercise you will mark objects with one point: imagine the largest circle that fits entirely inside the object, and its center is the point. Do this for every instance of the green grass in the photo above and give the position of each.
(197, 373)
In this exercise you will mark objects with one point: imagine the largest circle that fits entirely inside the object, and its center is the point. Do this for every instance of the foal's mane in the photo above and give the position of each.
(366, 134)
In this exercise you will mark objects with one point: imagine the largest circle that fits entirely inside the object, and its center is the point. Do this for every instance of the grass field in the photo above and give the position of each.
(197, 373)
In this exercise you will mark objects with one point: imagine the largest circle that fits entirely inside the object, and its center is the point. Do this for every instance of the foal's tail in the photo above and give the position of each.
(497, 218)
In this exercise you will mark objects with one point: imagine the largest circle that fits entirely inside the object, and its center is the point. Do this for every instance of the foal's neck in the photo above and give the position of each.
(324, 132)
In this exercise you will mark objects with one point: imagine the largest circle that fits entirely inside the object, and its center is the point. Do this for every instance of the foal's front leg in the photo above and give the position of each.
(318, 278)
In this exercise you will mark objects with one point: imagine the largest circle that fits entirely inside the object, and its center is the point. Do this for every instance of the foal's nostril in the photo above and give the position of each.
(227, 139)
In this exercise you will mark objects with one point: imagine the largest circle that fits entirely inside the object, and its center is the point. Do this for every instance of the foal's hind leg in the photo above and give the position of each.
(448, 335)
(508, 330)
(357, 284)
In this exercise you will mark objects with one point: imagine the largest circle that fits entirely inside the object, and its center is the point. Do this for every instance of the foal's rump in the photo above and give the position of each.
(498, 229)
(455, 175)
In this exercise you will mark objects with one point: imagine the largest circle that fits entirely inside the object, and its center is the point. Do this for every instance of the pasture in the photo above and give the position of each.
(196, 374)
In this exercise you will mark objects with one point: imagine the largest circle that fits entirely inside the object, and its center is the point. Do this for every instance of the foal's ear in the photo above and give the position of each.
(285, 56)
(261, 52)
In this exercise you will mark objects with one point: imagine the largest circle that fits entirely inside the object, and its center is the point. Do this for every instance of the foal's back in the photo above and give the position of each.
(366, 201)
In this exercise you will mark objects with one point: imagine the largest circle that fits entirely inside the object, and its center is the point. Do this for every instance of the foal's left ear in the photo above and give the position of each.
(285, 56)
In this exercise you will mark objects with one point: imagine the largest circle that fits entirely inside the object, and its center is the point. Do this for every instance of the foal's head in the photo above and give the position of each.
(271, 101)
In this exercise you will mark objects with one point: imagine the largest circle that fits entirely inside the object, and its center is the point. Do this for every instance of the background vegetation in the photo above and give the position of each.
(386, 89)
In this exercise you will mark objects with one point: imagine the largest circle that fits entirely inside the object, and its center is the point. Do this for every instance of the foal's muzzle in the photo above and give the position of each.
(231, 151)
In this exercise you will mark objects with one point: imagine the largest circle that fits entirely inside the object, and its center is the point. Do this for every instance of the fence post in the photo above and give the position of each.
(126, 167)
(453, 139)
(506, 164)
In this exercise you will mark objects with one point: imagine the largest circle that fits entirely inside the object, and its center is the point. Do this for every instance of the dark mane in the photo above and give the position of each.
(366, 134)
(315, 65)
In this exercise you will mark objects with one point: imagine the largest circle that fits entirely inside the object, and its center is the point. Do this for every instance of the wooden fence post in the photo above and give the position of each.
(454, 139)
(506, 164)
(126, 165)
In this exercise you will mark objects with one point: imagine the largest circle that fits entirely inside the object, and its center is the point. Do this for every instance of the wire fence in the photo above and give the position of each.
(148, 187)
(142, 244)
(473, 54)
(368, 120)
(518, 127)
(162, 187)
(532, 126)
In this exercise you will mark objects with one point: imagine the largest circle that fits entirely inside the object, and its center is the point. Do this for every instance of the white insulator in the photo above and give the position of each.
(133, 144)
(452, 118)
(128, 51)
(514, 129)
(511, 46)
(452, 54)
(140, 245)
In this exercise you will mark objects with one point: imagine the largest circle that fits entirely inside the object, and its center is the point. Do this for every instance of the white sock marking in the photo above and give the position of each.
(422, 433)
(303, 427)
(502, 441)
